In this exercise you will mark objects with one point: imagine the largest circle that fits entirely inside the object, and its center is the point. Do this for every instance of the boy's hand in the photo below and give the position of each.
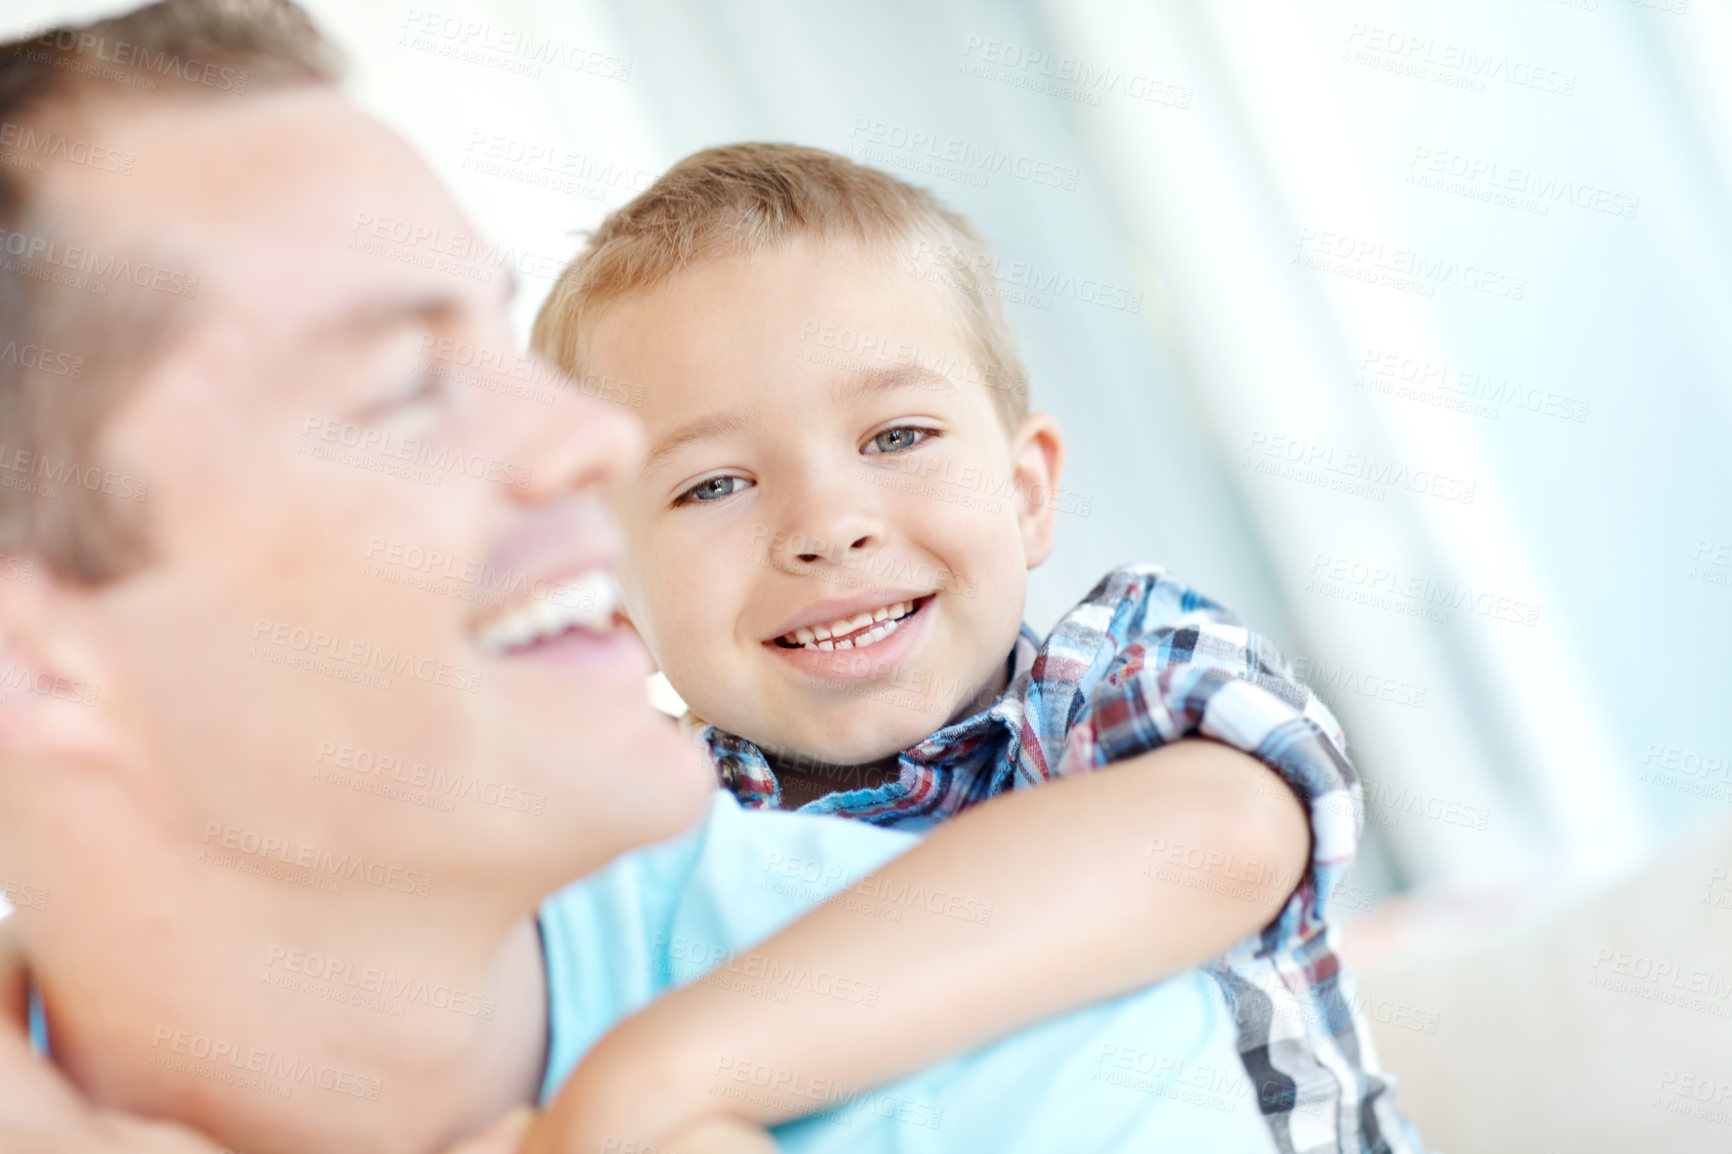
(505, 1136)
(722, 1136)
(563, 1130)
(106, 1134)
(111, 1133)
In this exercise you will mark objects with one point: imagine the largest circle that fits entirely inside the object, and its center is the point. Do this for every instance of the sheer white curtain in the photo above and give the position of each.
(1330, 221)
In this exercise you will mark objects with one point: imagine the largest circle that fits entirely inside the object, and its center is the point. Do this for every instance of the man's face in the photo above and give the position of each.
(376, 621)
(826, 551)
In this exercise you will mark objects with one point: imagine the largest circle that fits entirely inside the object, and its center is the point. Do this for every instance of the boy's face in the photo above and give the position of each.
(827, 550)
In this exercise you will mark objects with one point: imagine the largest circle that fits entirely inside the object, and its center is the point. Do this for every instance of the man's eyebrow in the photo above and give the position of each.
(889, 379)
(426, 303)
(372, 316)
(706, 428)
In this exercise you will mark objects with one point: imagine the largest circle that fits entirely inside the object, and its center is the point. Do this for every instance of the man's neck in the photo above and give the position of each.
(276, 1017)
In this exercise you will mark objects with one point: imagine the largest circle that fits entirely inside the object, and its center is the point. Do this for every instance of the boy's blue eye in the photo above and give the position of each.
(899, 439)
(713, 489)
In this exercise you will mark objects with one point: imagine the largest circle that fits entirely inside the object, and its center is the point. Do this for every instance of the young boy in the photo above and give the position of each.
(827, 555)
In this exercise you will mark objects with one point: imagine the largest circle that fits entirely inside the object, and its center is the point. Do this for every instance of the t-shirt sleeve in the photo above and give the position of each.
(1188, 668)
(1154, 1070)
(599, 940)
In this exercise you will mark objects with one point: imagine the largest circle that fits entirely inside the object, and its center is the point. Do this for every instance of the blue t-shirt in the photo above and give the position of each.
(1153, 1070)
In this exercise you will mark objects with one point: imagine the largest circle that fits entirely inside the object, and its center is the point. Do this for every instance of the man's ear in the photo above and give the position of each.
(1037, 455)
(51, 693)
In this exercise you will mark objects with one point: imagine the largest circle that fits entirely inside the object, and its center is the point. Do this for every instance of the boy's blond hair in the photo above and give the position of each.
(745, 198)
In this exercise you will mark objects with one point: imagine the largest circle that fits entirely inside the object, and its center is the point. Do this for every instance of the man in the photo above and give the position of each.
(238, 757)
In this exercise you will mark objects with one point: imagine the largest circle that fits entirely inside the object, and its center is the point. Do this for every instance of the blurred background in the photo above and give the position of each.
(1401, 327)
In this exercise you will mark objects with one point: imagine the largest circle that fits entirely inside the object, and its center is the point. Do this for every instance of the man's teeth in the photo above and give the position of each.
(586, 601)
(836, 635)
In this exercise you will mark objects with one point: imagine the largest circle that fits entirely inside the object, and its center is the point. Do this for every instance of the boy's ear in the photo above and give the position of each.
(662, 695)
(1037, 456)
(52, 706)
(626, 623)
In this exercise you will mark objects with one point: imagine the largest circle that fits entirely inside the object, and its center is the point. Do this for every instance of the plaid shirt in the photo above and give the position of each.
(1142, 661)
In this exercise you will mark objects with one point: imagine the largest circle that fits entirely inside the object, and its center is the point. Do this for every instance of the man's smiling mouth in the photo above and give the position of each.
(585, 603)
(855, 632)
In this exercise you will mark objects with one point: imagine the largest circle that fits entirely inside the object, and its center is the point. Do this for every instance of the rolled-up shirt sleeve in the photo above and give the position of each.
(1185, 667)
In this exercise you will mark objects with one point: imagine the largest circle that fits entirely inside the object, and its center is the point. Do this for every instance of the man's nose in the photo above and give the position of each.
(583, 443)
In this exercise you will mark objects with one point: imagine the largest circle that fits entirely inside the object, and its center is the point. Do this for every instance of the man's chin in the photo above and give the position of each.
(662, 780)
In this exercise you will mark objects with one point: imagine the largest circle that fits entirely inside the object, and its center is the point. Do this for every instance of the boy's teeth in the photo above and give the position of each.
(586, 601)
(884, 621)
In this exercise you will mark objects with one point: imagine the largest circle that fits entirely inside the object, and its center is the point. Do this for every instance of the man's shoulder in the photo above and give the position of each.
(729, 855)
(663, 915)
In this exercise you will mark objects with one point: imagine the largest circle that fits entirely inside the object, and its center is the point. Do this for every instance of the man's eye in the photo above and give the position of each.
(424, 388)
(713, 489)
(898, 440)
(429, 387)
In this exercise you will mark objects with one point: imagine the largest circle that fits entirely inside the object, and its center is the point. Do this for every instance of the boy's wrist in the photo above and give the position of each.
(642, 1081)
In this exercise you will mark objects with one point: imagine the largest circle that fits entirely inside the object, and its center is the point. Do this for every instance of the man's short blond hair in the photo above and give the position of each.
(746, 198)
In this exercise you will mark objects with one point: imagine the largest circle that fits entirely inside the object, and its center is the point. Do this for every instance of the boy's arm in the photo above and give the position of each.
(1077, 914)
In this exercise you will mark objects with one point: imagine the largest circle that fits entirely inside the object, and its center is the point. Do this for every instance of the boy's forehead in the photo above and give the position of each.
(812, 303)
(678, 429)
(770, 339)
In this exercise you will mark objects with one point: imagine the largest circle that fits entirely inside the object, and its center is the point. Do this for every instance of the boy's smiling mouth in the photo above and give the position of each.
(854, 631)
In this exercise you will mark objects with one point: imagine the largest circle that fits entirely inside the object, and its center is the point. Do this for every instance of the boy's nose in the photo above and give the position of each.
(821, 551)
(827, 524)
